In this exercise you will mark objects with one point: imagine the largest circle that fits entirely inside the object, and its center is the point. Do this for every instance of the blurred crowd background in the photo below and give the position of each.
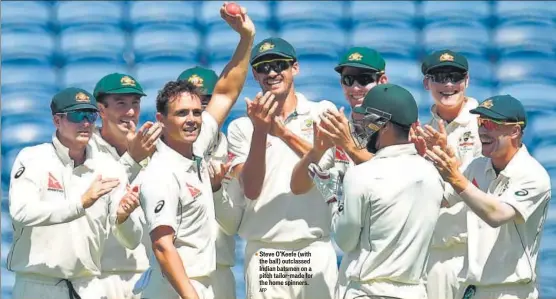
(50, 45)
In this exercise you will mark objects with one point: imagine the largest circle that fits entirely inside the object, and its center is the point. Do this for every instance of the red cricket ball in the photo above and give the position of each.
(233, 9)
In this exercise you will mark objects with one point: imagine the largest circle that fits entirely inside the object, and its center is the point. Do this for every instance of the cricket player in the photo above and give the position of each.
(119, 100)
(65, 200)
(447, 77)
(176, 190)
(390, 206)
(264, 147)
(506, 194)
(228, 199)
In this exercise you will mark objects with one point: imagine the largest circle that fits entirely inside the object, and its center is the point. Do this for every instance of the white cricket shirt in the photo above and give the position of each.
(53, 234)
(386, 223)
(278, 215)
(176, 192)
(117, 258)
(507, 254)
(463, 137)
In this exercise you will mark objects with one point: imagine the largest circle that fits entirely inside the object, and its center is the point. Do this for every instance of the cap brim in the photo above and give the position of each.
(354, 64)
(445, 64)
(269, 53)
(126, 90)
(81, 107)
(488, 113)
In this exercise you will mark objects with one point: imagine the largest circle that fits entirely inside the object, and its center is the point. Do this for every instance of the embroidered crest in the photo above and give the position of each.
(81, 97)
(265, 47)
(355, 57)
(127, 81)
(446, 57)
(196, 80)
(487, 104)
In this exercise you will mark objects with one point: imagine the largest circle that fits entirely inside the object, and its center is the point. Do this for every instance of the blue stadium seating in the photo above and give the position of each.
(535, 96)
(162, 41)
(26, 77)
(541, 127)
(478, 91)
(526, 69)
(221, 42)
(316, 68)
(441, 11)
(93, 42)
(525, 39)
(25, 130)
(471, 40)
(28, 45)
(524, 11)
(143, 13)
(480, 71)
(387, 40)
(86, 74)
(25, 102)
(209, 16)
(323, 39)
(157, 73)
(329, 90)
(386, 13)
(544, 153)
(404, 71)
(26, 14)
(80, 13)
(306, 13)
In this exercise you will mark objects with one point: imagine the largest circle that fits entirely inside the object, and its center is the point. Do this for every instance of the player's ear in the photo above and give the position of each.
(160, 119)
(56, 119)
(295, 68)
(383, 79)
(426, 82)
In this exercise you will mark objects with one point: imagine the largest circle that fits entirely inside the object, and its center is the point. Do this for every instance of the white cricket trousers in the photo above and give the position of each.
(318, 258)
(381, 290)
(443, 271)
(32, 286)
(119, 285)
(502, 291)
(158, 287)
(223, 282)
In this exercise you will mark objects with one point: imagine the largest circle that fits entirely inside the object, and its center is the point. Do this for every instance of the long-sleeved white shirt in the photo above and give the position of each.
(53, 234)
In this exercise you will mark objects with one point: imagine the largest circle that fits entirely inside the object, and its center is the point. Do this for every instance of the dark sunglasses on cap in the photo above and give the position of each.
(362, 79)
(491, 124)
(277, 65)
(447, 77)
(79, 116)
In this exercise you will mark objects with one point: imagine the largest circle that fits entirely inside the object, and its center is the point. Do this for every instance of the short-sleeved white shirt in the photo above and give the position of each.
(278, 215)
(509, 253)
(463, 137)
(176, 192)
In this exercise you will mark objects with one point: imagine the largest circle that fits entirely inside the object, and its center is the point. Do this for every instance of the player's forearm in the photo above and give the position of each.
(357, 155)
(228, 214)
(296, 143)
(131, 166)
(41, 213)
(129, 232)
(234, 74)
(488, 207)
(253, 172)
(172, 267)
(301, 182)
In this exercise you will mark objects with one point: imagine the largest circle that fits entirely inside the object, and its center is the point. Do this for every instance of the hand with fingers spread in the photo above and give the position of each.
(433, 137)
(335, 126)
(261, 111)
(217, 172)
(419, 141)
(447, 164)
(241, 23)
(321, 142)
(142, 144)
(128, 203)
(98, 189)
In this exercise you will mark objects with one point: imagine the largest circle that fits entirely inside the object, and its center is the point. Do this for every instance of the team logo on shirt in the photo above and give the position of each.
(19, 172)
(466, 140)
(127, 81)
(193, 190)
(341, 156)
(53, 184)
(307, 125)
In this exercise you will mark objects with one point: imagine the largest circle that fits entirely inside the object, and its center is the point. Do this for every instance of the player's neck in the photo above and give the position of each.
(448, 114)
(184, 149)
(76, 150)
(500, 163)
(118, 142)
(288, 104)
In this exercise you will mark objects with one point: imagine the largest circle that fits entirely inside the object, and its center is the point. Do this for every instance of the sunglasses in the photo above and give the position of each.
(491, 124)
(447, 77)
(79, 116)
(362, 79)
(277, 65)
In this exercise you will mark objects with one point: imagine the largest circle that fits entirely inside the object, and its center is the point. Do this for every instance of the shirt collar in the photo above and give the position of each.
(101, 143)
(63, 153)
(303, 105)
(396, 150)
(176, 158)
(464, 117)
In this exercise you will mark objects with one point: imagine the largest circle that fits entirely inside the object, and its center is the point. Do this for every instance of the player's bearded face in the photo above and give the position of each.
(276, 76)
(496, 142)
(119, 111)
(447, 86)
(183, 120)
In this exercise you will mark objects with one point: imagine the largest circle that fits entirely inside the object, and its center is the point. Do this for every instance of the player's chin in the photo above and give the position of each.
(190, 137)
